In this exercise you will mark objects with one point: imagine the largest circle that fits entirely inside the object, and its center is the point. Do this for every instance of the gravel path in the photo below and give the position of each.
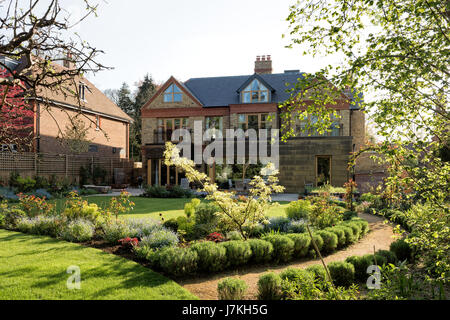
(380, 236)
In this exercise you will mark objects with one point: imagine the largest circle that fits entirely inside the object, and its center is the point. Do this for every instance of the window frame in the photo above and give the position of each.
(246, 115)
(249, 90)
(172, 94)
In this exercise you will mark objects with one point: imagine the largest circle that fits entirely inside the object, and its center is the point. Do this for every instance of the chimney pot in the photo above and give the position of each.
(263, 64)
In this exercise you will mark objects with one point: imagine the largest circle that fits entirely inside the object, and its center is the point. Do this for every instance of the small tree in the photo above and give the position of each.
(234, 213)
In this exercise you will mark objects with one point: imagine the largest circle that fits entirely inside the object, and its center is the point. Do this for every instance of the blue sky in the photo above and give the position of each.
(196, 38)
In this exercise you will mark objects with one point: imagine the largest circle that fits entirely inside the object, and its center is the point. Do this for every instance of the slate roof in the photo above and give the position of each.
(223, 91)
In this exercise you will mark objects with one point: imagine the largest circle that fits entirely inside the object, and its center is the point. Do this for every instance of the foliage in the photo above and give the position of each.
(238, 252)
(114, 230)
(390, 256)
(261, 250)
(78, 230)
(167, 192)
(318, 271)
(40, 225)
(402, 250)
(283, 247)
(340, 233)
(9, 216)
(299, 209)
(34, 206)
(121, 204)
(330, 240)
(325, 215)
(269, 287)
(296, 226)
(160, 238)
(76, 208)
(178, 261)
(302, 243)
(189, 208)
(142, 227)
(206, 220)
(236, 214)
(342, 273)
(211, 257)
(231, 289)
(279, 224)
(234, 235)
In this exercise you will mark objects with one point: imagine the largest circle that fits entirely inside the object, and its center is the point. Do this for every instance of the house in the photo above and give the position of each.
(41, 121)
(251, 101)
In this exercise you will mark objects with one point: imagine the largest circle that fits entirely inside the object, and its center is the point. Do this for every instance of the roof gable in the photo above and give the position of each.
(257, 77)
(166, 85)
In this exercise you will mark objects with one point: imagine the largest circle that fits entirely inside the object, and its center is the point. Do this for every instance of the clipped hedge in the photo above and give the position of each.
(318, 271)
(231, 289)
(238, 252)
(339, 232)
(342, 273)
(330, 240)
(301, 244)
(293, 274)
(283, 247)
(390, 256)
(261, 250)
(178, 261)
(211, 257)
(269, 287)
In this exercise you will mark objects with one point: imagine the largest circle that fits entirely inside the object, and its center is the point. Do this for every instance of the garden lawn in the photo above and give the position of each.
(152, 207)
(34, 267)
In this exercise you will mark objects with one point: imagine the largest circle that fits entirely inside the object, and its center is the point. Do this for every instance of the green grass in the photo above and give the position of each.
(34, 267)
(152, 207)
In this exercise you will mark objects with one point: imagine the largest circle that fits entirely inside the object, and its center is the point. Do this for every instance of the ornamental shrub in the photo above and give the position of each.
(156, 192)
(25, 225)
(301, 244)
(389, 255)
(349, 236)
(339, 232)
(283, 247)
(189, 208)
(11, 216)
(279, 224)
(81, 209)
(330, 240)
(356, 228)
(318, 271)
(143, 227)
(178, 261)
(114, 230)
(234, 235)
(296, 226)
(294, 274)
(261, 250)
(206, 220)
(360, 263)
(238, 252)
(171, 224)
(342, 273)
(402, 250)
(364, 225)
(231, 289)
(78, 231)
(269, 287)
(318, 240)
(211, 256)
(160, 238)
(299, 209)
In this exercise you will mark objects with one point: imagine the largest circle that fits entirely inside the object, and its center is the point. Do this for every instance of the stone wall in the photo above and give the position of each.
(298, 160)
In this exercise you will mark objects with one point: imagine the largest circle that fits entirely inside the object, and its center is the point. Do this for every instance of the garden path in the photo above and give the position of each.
(380, 236)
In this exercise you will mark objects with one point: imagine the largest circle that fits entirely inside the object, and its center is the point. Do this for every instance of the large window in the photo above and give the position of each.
(254, 121)
(214, 123)
(167, 125)
(255, 92)
(336, 128)
(172, 94)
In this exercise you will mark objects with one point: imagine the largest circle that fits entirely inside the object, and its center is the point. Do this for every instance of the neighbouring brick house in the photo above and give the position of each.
(107, 125)
(249, 101)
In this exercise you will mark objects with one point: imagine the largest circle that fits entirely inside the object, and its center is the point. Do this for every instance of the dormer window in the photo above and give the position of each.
(172, 94)
(255, 92)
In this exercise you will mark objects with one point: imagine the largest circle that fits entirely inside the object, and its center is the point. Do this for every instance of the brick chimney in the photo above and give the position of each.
(68, 61)
(263, 64)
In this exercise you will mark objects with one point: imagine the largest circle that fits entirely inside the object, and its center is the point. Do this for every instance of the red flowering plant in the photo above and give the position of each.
(34, 206)
(215, 236)
(129, 242)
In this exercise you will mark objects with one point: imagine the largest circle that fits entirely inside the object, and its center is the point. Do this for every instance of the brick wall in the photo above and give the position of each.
(53, 119)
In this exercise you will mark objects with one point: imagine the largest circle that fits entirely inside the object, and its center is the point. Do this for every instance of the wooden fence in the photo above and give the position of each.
(62, 166)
